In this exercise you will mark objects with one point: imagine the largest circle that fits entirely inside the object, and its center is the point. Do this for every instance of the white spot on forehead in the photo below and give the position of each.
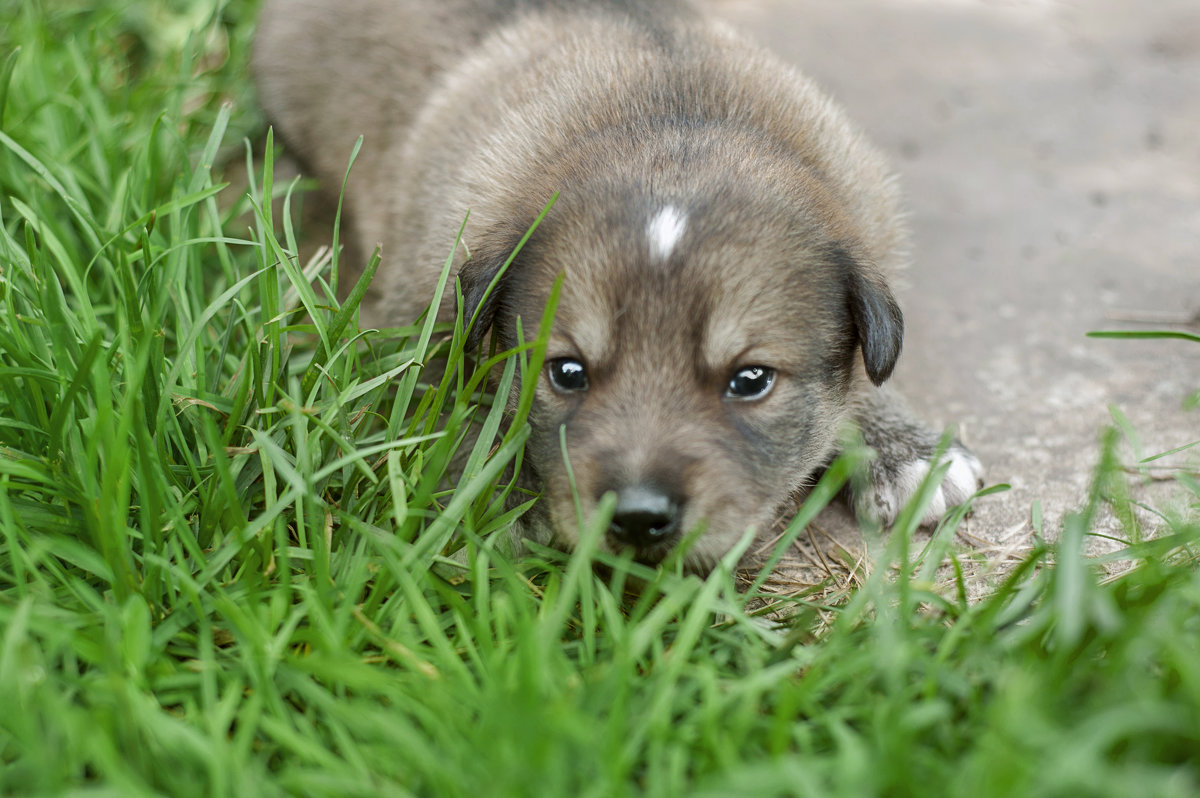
(664, 231)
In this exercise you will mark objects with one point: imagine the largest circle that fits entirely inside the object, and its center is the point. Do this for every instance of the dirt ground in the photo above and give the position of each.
(1050, 152)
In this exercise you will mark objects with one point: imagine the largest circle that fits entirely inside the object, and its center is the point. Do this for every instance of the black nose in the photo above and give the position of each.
(644, 516)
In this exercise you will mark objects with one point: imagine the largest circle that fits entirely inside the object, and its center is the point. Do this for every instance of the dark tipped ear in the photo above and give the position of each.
(485, 278)
(877, 318)
(482, 288)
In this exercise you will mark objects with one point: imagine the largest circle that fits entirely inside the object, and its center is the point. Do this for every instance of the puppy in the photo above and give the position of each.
(726, 238)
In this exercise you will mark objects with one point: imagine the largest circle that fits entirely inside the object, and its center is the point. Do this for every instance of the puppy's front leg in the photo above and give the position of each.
(905, 449)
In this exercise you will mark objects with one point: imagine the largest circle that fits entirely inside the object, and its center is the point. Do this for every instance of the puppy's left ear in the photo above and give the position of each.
(877, 320)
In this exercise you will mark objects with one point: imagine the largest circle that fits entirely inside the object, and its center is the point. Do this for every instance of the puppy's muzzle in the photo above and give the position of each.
(645, 516)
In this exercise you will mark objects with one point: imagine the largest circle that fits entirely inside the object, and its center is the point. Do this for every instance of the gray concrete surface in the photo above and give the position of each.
(1051, 155)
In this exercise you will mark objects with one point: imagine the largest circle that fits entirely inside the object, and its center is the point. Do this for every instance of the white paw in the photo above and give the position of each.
(890, 491)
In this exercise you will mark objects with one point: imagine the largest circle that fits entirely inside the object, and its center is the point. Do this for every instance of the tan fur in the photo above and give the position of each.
(788, 227)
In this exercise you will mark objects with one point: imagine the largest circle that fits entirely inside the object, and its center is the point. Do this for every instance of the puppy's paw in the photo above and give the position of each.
(893, 481)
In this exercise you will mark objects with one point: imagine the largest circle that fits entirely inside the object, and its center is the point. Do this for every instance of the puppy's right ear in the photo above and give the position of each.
(482, 282)
(484, 278)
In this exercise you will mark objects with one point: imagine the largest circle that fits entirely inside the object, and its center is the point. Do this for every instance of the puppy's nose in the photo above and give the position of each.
(644, 516)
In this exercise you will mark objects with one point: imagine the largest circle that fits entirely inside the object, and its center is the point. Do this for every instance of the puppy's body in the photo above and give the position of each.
(727, 240)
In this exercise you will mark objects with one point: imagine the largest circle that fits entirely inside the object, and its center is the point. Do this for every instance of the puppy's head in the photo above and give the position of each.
(709, 331)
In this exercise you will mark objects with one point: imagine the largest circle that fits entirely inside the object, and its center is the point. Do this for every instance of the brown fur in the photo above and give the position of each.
(791, 229)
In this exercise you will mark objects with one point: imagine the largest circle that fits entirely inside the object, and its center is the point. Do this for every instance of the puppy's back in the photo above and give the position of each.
(329, 71)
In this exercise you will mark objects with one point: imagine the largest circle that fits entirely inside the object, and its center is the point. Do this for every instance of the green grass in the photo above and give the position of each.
(224, 516)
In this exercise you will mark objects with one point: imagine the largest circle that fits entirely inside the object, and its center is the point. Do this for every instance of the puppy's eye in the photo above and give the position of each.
(750, 382)
(567, 375)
